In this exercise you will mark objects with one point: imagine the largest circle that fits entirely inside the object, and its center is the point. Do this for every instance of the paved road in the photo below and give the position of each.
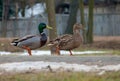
(89, 60)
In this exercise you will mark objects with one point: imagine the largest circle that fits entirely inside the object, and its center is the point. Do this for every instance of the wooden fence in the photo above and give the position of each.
(104, 25)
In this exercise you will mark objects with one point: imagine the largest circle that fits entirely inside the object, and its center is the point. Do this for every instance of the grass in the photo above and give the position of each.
(62, 76)
(116, 52)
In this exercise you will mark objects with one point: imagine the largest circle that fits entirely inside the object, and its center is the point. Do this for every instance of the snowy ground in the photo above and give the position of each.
(23, 67)
(47, 52)
(36, 66)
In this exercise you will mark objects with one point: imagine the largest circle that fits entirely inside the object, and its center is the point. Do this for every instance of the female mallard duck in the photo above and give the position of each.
(68, 42)
(31, 42)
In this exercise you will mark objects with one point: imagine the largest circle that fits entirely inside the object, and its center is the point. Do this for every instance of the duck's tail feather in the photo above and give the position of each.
(53, 43)
(50, 45)
(14, 42)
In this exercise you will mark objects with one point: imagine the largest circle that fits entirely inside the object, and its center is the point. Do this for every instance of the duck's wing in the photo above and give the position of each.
(57, 40)
(25, 38)
(31, 41)
(65, 40)
(65, 37)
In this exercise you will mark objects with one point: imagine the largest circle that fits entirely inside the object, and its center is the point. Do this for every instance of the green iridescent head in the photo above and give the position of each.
(42, 26)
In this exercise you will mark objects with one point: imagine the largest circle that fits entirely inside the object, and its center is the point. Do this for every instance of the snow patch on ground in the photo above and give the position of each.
(22, 67)
(47, 52)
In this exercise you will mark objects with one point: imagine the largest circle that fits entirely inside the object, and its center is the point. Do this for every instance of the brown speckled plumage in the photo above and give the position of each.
(67, 41)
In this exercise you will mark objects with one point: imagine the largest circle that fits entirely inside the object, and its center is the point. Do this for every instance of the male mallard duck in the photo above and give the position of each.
(31, 42)
(67, 41)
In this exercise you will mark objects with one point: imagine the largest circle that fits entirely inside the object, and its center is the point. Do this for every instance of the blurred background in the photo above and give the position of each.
(21, 17)
(97, 59)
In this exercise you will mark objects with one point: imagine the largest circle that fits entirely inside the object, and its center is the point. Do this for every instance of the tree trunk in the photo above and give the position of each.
(23, 4)
(5, 16)
(81, 5)
(1, 9)
(52, 21)
(72, 16)
(90, 22)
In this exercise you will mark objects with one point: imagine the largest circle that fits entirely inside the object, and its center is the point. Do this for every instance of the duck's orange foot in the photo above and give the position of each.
(28, 49)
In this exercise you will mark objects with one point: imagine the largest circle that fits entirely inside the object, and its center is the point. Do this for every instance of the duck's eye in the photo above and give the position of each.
(44, 25)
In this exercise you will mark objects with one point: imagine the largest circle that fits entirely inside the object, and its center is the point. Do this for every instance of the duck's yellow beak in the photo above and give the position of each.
(49, 27)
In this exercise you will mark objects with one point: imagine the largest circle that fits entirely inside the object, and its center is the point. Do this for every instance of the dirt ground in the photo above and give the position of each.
(104, 42)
